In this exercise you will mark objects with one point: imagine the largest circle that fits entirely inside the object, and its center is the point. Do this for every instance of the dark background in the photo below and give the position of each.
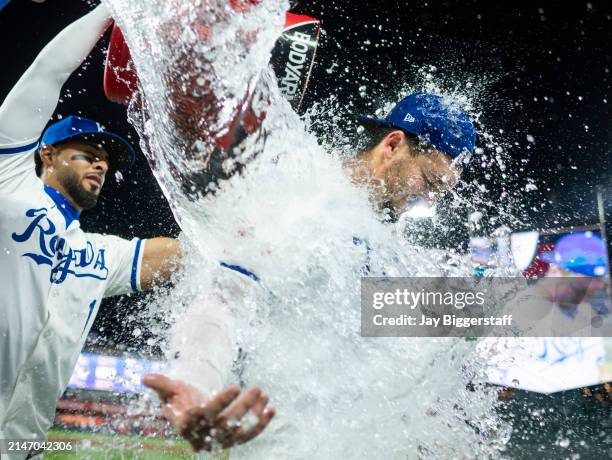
(541, 69)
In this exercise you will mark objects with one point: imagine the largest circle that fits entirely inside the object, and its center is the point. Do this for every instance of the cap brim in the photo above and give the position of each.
(120, 152)
(372, 121)
(593, 271)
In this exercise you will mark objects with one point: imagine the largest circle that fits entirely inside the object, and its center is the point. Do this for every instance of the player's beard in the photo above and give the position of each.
(72, 184)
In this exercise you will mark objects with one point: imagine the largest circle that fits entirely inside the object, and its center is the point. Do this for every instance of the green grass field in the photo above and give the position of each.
(92, 446)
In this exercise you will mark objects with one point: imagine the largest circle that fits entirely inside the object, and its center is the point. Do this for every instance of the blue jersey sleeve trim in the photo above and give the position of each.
(241, 270)
(134, 277)
(12, 150)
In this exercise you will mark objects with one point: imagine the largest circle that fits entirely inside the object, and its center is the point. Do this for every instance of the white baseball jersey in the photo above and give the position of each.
(546, 364)
(53, 277)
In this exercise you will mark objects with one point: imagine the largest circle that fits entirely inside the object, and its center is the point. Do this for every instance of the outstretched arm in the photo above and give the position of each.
(28, 107)
(161, 258)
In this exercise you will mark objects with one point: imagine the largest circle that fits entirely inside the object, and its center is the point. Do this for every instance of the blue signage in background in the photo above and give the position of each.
(111, 373)
(3, 3)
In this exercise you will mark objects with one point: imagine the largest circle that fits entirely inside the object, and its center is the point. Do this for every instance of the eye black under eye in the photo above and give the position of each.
(82, 157)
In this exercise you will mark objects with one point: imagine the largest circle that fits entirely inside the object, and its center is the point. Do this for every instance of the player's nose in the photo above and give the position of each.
(101, 166)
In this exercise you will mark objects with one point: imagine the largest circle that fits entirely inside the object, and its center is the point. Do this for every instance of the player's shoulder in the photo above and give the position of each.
(17, 166)
(19, 190)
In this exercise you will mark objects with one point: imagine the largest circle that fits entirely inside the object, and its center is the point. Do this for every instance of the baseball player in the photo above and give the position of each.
(553, 369)
(563, 302)
(417, 152)
(412, 155)
(55, 275)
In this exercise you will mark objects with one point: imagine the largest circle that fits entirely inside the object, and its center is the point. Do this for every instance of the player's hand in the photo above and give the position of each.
(230, 418)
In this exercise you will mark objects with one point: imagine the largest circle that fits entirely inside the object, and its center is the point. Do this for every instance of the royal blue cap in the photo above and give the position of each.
(582, 252)
(120, 152)
(437, 120)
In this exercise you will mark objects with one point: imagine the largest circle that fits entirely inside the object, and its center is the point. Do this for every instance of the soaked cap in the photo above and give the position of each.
(438, 121)
(121, 153)
(583, 252)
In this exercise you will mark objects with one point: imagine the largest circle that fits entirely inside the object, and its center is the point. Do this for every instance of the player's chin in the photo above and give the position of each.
(91, 186)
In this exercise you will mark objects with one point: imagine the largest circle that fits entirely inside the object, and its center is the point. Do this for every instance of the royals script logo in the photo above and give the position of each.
(64, 261)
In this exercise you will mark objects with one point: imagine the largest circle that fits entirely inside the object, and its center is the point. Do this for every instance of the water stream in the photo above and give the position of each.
(283, 208)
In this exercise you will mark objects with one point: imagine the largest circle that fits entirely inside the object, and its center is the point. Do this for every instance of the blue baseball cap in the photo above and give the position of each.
(121, 153)
(438, 121)
(582, 252)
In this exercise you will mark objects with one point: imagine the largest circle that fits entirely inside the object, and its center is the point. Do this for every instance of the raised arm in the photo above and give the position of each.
(28, 107)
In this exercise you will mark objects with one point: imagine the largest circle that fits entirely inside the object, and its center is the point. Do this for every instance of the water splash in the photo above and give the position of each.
(285, 210)
(494, 183)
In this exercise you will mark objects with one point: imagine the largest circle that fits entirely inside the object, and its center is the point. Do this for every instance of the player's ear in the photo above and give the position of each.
(392, 143)
(48, 155)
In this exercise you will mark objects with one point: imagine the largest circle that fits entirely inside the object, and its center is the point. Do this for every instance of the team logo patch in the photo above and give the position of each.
(87, 262)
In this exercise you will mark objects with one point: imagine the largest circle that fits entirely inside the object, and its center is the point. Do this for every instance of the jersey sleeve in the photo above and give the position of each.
(124, 261)
(17, 166)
